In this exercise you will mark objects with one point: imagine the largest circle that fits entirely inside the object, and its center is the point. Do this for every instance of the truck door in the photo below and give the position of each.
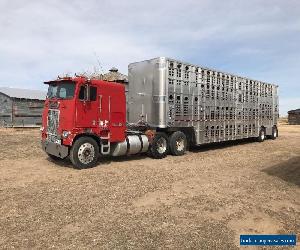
(104, 109)
(113, 112)
(87, 107)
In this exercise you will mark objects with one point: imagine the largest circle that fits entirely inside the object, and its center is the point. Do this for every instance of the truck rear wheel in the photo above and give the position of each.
(178, 143)
(84, 153)
(262, 135)
(159, 146)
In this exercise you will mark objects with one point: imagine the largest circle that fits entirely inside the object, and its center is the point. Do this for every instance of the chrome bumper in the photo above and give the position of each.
(52, 148)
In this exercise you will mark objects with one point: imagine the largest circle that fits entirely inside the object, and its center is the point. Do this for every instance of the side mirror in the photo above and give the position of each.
(85, 93)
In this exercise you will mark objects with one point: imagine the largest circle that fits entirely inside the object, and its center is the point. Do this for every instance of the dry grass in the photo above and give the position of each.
(204, 199)
(283, 121)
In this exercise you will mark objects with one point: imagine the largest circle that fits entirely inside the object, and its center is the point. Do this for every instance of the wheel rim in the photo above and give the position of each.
(161, 145)
(180, 144)
(275, 133)
(86, 153)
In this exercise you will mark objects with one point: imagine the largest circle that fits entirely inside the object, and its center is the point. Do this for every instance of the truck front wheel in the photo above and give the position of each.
(178, 143)
(159, 146)
(84, 153)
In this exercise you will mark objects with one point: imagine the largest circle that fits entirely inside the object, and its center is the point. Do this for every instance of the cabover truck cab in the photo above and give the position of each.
(171, 105)
(84, 118)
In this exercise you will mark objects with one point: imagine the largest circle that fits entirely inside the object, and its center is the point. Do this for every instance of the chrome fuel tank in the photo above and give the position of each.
(133, 144)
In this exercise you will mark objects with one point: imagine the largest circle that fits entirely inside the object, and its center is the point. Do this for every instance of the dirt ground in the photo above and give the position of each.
(202, 200)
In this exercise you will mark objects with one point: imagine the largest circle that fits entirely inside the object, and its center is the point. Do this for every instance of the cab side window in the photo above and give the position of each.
(93, 93)
(83, 93)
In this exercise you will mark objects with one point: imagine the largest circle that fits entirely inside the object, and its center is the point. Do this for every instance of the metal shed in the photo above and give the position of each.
(21, 107)
(294, 117)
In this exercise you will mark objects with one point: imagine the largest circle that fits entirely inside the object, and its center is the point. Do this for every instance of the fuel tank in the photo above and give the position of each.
(133, 144)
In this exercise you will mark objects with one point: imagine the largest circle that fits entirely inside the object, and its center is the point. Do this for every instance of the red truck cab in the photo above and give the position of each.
(77, 108)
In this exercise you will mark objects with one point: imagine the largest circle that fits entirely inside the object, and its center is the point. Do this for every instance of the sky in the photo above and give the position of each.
(257, 38)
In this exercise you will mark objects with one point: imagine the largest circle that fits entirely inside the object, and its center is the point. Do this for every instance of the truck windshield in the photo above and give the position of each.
(61, 90)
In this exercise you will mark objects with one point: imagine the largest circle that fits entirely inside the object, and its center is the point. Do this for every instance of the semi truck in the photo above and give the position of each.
(170, 106)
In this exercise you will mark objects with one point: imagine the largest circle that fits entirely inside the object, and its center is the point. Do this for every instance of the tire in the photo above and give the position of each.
(178, 143)
(262, 135)
(159, 146)
(274, 133)
(54, 158)
(84, 153)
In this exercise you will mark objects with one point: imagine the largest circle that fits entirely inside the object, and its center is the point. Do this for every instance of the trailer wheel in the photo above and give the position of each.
(178, 143)
(159, 146)
(262, 135)
(84, 153)
(274, 133)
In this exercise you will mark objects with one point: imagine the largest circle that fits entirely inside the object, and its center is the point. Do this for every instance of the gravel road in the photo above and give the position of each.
(204, 199)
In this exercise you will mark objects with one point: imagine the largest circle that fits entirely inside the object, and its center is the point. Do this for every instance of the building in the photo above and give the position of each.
(21, 107)
(115, 76)
(112, 76)
(294, 117)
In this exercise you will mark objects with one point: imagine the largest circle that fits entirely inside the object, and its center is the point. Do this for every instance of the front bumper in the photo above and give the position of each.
(52, 148)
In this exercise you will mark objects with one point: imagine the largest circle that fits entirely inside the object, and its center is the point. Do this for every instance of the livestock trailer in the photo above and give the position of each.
(209, 105)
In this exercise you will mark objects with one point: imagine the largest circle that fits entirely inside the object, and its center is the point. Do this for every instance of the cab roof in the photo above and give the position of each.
(82, 79)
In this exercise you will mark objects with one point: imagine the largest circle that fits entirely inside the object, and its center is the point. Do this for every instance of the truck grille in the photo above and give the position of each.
(53, 122)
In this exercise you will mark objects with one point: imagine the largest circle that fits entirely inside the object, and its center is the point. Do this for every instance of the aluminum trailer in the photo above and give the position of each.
(207, 105)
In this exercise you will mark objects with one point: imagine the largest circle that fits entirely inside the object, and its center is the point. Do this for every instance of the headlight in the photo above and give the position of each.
(65, 134)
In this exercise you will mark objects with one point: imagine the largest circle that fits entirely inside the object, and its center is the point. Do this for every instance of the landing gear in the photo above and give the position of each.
(84, 153)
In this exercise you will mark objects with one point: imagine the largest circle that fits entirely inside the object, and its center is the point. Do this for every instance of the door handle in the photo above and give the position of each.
(100, 103)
